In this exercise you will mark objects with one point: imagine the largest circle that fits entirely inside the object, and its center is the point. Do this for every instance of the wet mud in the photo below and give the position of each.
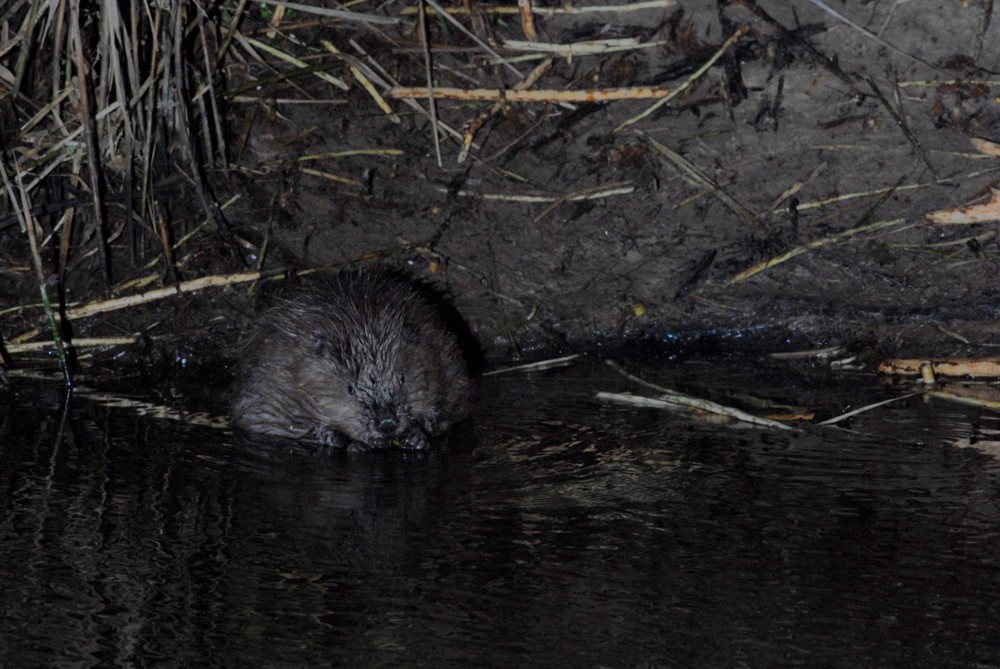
(806, 129)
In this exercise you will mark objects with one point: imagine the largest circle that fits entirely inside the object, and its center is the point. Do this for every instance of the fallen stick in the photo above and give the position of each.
(82, 342)
(363, 80)
(861, 410)
(688, 169)
(335, 13)
(978, 213)
(596, 193)
(813, 245)
(735, 37)
(185, 287)
(585, 48)
(975, 367)
(473, 126)
(694, 405)
(965, 396)
(672, 400)
(288, 58)
(515, 95)
(552, 11)
(536, 366)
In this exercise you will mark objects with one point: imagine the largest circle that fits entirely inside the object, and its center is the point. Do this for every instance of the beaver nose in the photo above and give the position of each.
(387, 426)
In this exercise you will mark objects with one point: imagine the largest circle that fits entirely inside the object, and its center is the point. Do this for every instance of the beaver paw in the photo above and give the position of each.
(329, 437)
(356, 447)
(416, 440)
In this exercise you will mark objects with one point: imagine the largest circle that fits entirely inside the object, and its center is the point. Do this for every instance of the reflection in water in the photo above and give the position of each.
(554, 531)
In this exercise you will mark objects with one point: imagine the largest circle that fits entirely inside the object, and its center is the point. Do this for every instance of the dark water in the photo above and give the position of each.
(555, 531)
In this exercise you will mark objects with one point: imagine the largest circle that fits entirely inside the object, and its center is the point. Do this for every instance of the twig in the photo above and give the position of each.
(473, 126)
(926, 83)
(794, 37)
(870, 212)
(813, 245)
(536, 366)
(66, 222)
(702, 179)
(149, 119)
(335, 13)
(213, 99)
(554, 11)
(347, 153)
(690, 80)
(356, 70)
(585, 48)
(230, 32)
(425, 42)
(184, 287)
(860, 410)
(822, 354)
(607, 191)
(28, 223)
(275, 21)
(27, 29)
(517, 95)
(676, 401)
(93, 159)
(879, 191)
(964, 399)
(177, 96)
(330, 176)
(840, 17)
(979, 213)
(483, 45)
(672, 398)
(798, 185)
(527, 20)
(383, 79)
(288, 58)
(47, 109)
(578, 195)
(78, 343)
(969, 367)
(901, 124)
(255, 100)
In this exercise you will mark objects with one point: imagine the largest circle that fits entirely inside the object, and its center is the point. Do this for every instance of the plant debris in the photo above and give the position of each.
(572, 173)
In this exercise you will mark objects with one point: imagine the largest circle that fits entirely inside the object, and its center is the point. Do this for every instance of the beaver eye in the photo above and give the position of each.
(320, 345)
(350, 389)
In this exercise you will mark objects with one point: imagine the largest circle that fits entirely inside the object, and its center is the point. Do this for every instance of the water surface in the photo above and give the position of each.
(553, 531)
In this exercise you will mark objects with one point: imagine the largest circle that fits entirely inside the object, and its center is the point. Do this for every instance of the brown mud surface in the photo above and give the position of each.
(806, 129)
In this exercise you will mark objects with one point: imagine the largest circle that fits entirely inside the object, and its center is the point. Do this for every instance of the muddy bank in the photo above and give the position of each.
(812, 143)
(856, 131)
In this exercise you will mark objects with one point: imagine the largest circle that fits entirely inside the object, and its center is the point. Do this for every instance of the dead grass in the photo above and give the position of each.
(104, 105)
(103, 102)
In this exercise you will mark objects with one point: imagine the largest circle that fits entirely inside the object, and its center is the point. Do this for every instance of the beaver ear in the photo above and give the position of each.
(321, 345)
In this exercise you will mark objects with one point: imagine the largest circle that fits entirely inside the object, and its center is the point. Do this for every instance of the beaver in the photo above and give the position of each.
(367, 359)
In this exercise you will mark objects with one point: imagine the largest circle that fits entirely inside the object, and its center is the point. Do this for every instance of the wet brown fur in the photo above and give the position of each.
(353, 358)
